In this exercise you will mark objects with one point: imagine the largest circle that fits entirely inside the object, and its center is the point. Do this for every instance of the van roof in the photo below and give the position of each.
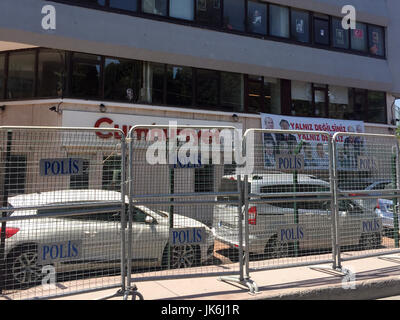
(280, 178)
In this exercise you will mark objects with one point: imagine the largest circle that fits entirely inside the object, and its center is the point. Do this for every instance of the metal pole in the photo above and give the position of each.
(240, 214)
(335, 206)
(6, 185)
(129, 255)
(296, 211)
(395, 202)
(246, 223)
(123, 211)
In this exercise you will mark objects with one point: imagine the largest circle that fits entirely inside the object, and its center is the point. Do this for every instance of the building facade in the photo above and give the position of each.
(119, 63)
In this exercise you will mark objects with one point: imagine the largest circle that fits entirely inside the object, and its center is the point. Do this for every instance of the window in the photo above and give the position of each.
(204, 179)
(300, 26)
(234, 15)
(207, 82)
(81, 181)
(86, 75)
(263, 95)
(321, 31)
(112, 173)
(51, 73)
(182, 9)
(129, 5)
(376, 40)
(340, 36)
(92, 2)
(338, 102)
(17, 174)
(359, 37)
(377, 107)
(179, 86)
(208, 12)
(21, 74)
(278, 21)
(122, 79)
(357, 105)
(257, 17)
(158, 7)
(2, 75)
(320, 100)
(302, 99)
(232, 91)
(154, 75)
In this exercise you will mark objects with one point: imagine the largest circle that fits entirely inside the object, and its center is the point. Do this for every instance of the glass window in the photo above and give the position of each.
(376, 40)
(320, 102)
(51, 73)
(359, 37)
(279, 21)
(21, 74)
(338, 101)
(357, 105)
(257, 17)
(204, 179)
(81, 181)
(155, 7)
(17, 175)
(179, 86)
(208, 12)
(86, 75)
(377, 107)
(153, 82)
(302, 99)
(207, 87)
(300, 26)
(122, 79)
(129, 5)
(182, 9)
(93, 2)
(321, 31)
(111, 179)
(234, 15)
(232, 91)
(340, 36)
(2, 75)
(263, 95)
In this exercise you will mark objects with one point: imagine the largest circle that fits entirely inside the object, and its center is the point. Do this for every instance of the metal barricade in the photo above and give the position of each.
(63, 211)
(289, 209)
(185, 201)
(366, 169)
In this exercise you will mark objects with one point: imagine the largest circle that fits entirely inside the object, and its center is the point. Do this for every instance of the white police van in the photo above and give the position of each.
(272, 226)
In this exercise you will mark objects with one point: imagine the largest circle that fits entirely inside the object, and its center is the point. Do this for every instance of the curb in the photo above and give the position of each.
(365, 290)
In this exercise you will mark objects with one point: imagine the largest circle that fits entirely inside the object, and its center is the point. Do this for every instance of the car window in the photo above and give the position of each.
(349, 206)
(107, 214)
(383, 186)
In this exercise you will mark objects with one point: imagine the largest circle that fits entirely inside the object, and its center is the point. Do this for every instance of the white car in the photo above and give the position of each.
(273, 230)
(83, 240)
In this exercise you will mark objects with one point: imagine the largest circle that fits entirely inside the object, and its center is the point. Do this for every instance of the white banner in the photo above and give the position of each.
(313, 146)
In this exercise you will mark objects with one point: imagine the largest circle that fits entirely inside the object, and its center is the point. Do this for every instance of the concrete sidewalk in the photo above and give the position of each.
(374, 278)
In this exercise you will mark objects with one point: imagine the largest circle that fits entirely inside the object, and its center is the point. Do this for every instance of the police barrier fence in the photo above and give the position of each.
(177, 189)
(80, 213)
(366, 175)
(63, 211)
(288, 199)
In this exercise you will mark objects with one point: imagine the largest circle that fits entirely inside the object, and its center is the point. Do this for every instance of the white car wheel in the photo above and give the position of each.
(23, 268)
(275, 249)
(181, 257)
